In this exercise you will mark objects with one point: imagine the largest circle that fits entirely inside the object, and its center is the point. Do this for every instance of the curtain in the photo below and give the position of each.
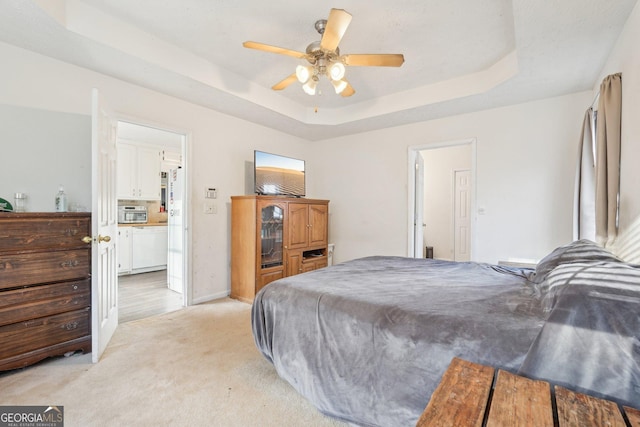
(584, 198)
(608, 159)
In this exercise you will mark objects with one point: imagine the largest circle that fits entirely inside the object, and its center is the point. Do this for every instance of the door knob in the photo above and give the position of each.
(86, 239)
(103, 238)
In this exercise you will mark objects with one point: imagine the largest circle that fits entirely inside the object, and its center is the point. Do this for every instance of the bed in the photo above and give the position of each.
(367, 341)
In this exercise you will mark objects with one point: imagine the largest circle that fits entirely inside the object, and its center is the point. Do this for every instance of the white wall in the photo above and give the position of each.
(439, 167)
(624, 58)
(42, 150)
(525, 165)
(220, 146)
(526, 156)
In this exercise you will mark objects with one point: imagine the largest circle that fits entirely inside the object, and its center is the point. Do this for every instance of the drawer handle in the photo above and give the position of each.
(70, 326)
(73, 263)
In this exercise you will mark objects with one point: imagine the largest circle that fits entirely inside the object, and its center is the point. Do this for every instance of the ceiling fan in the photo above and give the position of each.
(324, 57)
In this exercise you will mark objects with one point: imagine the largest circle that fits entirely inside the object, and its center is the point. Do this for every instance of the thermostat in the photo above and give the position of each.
(210, 193)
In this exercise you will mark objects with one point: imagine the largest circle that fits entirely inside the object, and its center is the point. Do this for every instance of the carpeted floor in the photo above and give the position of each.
(194, 367)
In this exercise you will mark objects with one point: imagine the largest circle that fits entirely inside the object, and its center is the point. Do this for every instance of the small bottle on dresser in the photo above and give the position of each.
(61, 200)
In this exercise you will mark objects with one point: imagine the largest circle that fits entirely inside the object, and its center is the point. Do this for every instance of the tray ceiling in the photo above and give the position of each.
(460, 56)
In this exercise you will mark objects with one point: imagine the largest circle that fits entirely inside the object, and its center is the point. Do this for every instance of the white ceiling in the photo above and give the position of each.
(149, 135)
(460, 55)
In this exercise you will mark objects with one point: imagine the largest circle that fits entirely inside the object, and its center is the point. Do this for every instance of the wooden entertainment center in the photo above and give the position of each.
(274, 237)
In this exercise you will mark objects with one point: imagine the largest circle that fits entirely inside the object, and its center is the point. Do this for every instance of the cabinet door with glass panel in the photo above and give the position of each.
(271, 245)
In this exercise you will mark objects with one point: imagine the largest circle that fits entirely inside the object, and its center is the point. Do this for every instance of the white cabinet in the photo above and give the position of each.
(171, 159)
(124, 250)
(149, 248)
(148, 173)
(138, 172)
(126, 174)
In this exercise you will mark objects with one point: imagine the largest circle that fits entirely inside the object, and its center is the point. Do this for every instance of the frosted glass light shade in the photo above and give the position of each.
(336, 71)
(339, 85)
(310, 87)
(303, 73)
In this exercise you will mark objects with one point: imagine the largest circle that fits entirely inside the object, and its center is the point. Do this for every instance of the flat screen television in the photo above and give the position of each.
(278, 175)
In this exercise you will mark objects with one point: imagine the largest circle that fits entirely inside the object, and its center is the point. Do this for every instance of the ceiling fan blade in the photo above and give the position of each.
(274, 49)
(337, 25)
(374, 60)
(285, 82)
(347, 91)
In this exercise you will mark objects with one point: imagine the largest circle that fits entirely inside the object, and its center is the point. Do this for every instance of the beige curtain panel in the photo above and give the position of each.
(608, 159)
(584, 198)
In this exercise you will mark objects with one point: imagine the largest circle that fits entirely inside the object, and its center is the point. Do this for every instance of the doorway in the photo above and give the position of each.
(441, 209)
(152, 256)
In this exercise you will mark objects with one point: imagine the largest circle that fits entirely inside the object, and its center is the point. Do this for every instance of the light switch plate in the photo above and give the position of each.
(209, 208)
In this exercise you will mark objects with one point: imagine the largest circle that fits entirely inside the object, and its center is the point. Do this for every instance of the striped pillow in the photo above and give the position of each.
(610, 280)
(580, 251)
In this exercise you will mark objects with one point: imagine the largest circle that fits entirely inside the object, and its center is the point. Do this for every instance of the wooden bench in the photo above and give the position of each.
(468, 396)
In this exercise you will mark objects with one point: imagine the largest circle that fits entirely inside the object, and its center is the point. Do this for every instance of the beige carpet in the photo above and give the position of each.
(194, 367)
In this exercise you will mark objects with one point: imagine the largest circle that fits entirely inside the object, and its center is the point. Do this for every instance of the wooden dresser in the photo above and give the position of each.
(45, 286)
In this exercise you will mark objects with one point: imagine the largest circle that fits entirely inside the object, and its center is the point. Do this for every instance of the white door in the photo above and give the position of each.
(462, 211)
(418, 214)
(104, 224)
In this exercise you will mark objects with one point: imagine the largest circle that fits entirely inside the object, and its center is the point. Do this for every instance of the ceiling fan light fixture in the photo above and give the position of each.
(339, 85)
(325, 59)
(336, 71)
(303, 73)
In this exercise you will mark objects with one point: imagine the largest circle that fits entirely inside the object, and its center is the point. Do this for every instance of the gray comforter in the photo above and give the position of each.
(367, 341)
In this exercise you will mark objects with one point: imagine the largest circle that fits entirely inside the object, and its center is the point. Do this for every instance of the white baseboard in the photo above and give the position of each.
(211, 297)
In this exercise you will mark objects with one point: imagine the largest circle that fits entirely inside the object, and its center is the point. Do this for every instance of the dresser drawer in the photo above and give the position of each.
(24, 232)
(43, 332)
(22, 304)
(28, 268)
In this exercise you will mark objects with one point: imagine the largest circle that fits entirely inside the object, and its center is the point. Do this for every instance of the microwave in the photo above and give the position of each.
(132, 215)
